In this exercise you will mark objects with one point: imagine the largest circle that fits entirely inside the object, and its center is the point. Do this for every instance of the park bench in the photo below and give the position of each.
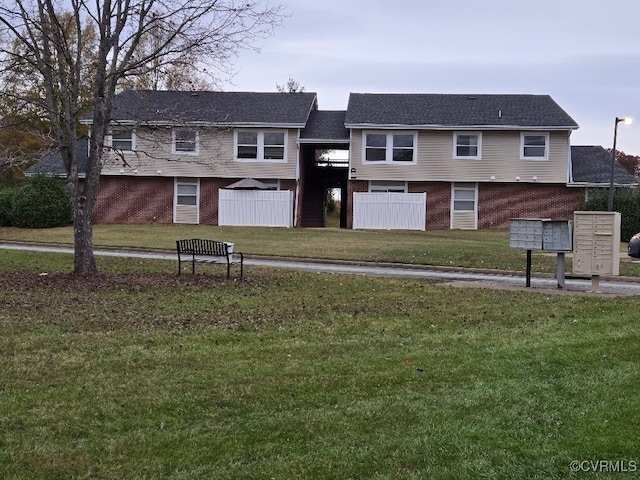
(207, 251)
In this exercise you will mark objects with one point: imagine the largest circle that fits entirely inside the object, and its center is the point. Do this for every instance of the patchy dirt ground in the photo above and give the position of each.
(28, 280)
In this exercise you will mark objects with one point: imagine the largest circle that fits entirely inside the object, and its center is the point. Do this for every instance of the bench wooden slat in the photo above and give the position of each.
(197, 250)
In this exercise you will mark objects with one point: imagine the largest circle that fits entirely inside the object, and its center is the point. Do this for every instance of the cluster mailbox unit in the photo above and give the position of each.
(593, 237)
(542, 234)
(597, 245)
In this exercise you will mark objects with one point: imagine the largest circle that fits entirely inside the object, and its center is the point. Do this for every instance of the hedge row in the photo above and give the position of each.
(625, 200)
(42, 202)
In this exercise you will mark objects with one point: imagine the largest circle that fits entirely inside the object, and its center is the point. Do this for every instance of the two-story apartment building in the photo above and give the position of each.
(480, 159)
(415, 161)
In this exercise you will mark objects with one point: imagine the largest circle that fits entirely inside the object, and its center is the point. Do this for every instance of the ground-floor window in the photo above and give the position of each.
(186, 200)
(464, 206)
(464, 199)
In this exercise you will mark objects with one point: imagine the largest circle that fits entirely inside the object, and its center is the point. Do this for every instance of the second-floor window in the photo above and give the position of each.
(534, 146)
(185, 141)
(123, 139)
(390, 147)
(261, 146)
(467, 145)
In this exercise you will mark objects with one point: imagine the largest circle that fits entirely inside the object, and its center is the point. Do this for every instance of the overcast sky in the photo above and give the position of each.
(584, 53)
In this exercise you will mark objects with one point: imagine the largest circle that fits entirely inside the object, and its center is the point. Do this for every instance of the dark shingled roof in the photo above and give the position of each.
(327, 125)
(447, 110)
(592, 164)
(51, 163)
(213, 108)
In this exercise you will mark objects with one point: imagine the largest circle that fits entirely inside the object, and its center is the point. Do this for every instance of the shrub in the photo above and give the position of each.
(625, 200)
(41, 203)
(6, 200)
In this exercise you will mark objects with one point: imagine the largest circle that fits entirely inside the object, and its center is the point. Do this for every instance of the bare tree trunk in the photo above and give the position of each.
(84, 262)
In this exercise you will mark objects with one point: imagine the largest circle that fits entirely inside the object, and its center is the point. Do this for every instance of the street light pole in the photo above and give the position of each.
(626, 121)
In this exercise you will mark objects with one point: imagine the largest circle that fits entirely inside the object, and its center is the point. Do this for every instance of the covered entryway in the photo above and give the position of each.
(320, 174)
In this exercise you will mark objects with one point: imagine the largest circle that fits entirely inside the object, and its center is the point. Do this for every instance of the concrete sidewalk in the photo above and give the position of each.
(454, 276)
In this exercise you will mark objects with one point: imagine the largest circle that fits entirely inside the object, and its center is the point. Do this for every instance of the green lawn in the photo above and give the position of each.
(486, 249)
(141, 374)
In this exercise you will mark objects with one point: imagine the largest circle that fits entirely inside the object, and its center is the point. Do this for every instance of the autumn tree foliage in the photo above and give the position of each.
(89, 48)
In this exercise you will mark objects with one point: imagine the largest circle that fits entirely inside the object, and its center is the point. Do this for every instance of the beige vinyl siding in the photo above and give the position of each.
(500, 158)
(186, 214)
(215, 159)
(463, 221)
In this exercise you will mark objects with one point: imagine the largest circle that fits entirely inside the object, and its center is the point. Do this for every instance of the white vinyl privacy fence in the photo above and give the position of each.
(390, 211)
(255, 208)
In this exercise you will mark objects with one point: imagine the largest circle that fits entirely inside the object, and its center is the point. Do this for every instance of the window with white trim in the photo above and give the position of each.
(392, 147)
(187, 194)
(261, 146)
(123, 139)
(185, 141)
(534, 146)
(467, 146)
(464, 199)
(387, 187)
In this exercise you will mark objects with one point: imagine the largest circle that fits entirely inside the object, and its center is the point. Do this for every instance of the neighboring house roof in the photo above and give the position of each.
(591, 164)
(325, 126)
(213, 108)
(51, 163)
(456, 110)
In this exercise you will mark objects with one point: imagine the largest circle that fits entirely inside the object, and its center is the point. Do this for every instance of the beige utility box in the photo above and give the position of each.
(596, 243)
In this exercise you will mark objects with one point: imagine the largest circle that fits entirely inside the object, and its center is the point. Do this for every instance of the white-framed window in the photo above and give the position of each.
(186, 193)
(464, 199)
(467, 145)
(534, 146)
(389, 147)
(387, 187)
(123, 139)
(185, 141)
(260, 146)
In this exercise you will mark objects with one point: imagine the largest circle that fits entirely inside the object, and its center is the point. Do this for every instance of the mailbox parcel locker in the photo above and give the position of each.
(596, 246)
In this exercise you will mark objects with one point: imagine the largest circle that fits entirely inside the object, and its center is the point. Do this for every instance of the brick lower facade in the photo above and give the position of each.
(130, 200)
(497, 203)
(500, 202)
(143, 200)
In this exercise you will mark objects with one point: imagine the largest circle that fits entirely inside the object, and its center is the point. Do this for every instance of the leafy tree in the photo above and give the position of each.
(629, 162)
(25, 130)
(213, 31)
